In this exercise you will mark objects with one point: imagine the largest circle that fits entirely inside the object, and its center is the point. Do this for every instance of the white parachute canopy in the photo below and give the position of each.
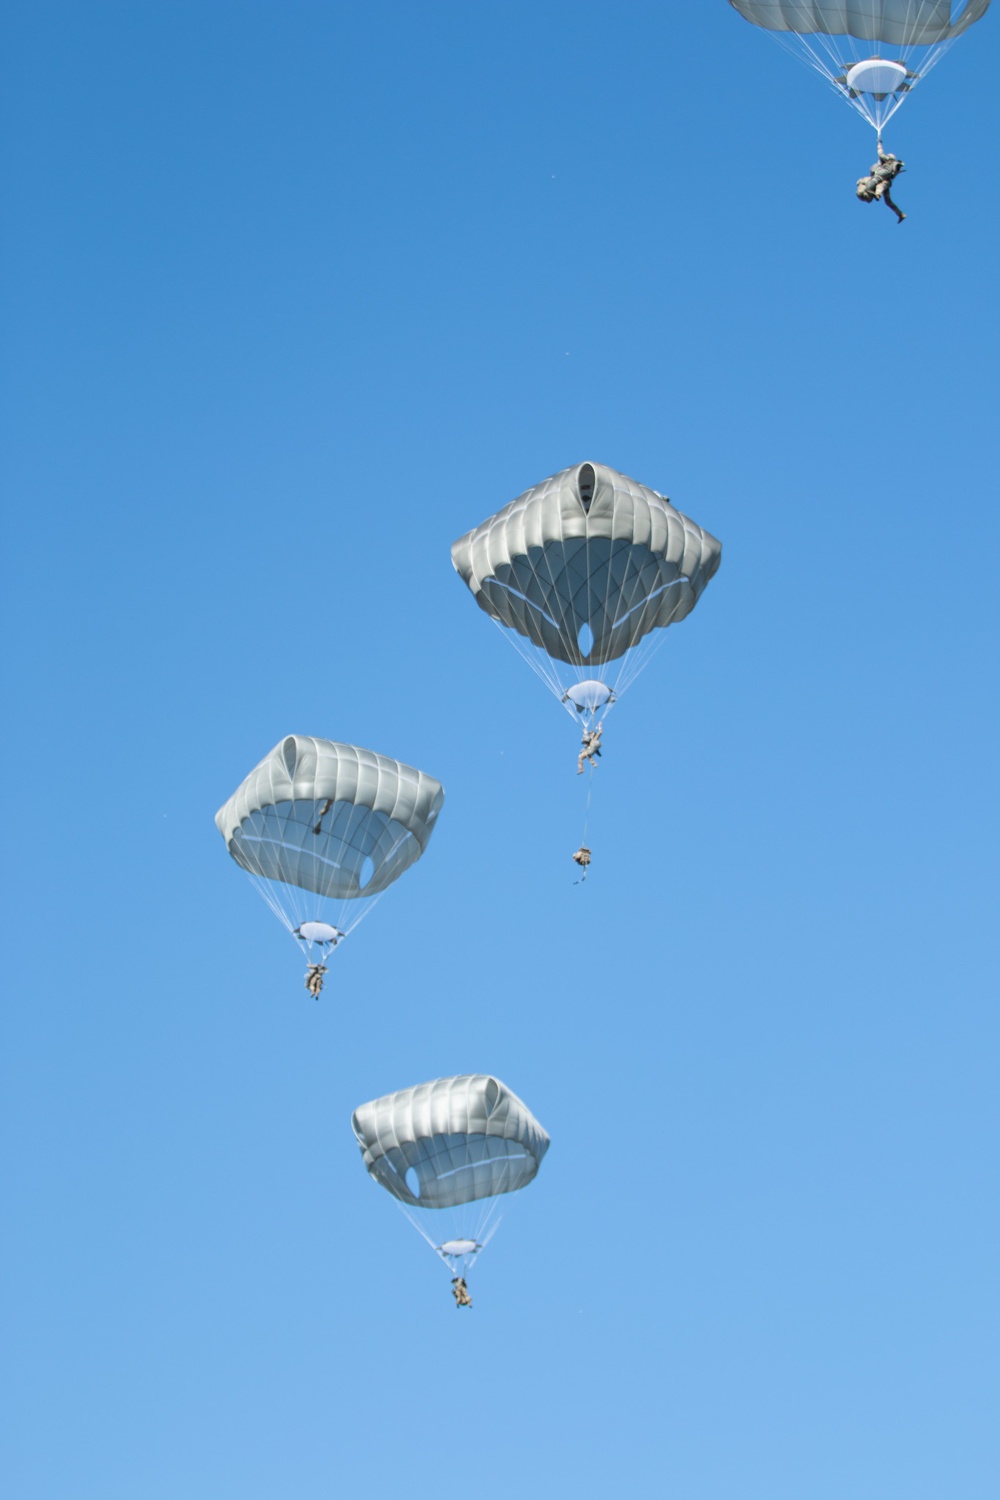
(873, 52)
(324, 828)
(447, 1151)
(583, 573)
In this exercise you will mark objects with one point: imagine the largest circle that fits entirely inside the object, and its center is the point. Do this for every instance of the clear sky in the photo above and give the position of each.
(293, 295)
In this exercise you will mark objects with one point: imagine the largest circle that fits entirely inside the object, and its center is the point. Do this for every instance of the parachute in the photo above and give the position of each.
(323, 829)
(450, 1149)
(873, 52)
(583, 572)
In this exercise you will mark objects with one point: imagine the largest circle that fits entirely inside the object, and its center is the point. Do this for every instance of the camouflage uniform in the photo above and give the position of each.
(460, 1292)
(314, 979)
(877, 184)
(591, 743)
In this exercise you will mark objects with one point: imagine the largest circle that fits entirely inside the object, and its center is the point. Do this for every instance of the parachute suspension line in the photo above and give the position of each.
(539, 659)
(548, 670)
(832, 57)
(581, 878)
(536, 656)
(590, 793)
(604, 608)
(293, 905)
(262, 884)
(418, 1227)
(586, 810)
(619, 670)
(636, 658)
(645, 650)
(590, 768)
(616, 673)
(560, 690)
(485, 1227)
(294, 909)
(487, 1223)
(489, 1219)
(536, 660)
(488, 1234)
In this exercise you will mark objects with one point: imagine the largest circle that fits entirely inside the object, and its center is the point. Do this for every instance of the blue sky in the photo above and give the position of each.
(294, 295)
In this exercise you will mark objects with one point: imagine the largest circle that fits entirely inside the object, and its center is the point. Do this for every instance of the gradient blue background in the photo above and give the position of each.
(292, 296)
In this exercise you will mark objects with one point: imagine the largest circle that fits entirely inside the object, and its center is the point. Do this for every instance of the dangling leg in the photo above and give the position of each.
(887, 200)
